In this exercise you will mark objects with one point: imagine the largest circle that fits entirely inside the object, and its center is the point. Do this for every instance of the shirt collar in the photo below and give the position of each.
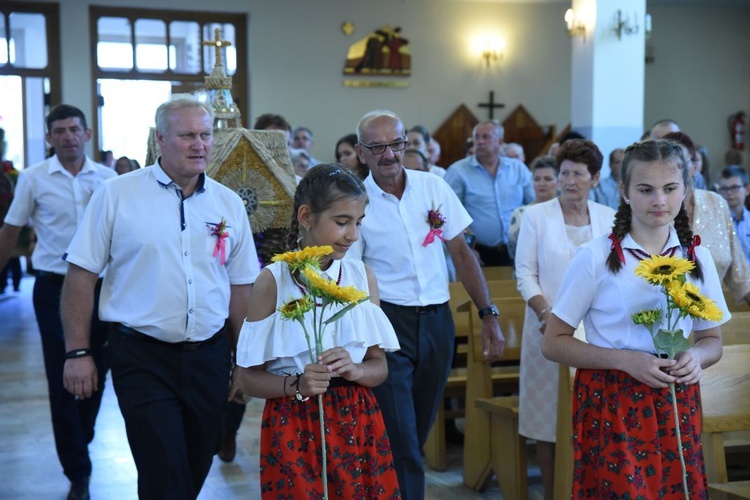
(672, 241)
(370, 182)
(744, 216)
(54, 165)
(164, 180)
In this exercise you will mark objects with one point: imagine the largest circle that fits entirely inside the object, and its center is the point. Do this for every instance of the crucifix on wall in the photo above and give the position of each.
(491, 105)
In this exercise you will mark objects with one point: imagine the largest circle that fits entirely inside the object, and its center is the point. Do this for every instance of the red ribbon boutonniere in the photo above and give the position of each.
(220, 231)
(436, 220)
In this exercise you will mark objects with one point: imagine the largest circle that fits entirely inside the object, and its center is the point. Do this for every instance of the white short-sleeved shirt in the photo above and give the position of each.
(392, 233)
(281, 343)
(53, 200)
(606, 301)
(163, 278)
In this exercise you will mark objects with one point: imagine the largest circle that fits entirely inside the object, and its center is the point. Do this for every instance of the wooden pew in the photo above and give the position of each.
(507, 446)
(493, 273)
(725, 396)
(504, 378)
(564, 445)
(477, 467)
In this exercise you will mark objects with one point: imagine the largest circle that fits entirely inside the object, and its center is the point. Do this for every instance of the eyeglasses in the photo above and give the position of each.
(379, 149)
(730, 189)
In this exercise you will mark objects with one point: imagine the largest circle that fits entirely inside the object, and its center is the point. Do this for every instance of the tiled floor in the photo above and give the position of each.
(29, 468)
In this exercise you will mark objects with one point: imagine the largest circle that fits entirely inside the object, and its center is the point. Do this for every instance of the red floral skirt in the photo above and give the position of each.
(625, 439)
(360, 464)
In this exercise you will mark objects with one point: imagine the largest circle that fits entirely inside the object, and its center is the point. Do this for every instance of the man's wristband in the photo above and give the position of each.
(78, 353)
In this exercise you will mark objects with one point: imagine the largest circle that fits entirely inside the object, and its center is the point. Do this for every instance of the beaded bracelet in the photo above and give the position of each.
(78, 353)
(298, 394)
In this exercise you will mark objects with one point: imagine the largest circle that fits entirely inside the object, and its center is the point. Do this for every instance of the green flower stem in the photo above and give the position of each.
(323, 446)
(679, 440)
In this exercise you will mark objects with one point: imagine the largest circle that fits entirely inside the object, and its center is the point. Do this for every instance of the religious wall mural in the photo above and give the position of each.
(383, 52)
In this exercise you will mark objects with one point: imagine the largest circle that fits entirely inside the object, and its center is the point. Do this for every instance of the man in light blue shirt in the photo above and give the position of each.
(491, 187)
(733, 186)
(607, 192)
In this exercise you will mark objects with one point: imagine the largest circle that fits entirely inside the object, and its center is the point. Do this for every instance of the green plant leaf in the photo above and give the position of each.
(670, 342)
(345, 310)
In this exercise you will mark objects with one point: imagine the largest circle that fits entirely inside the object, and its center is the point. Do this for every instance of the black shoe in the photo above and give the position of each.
(79, 490)
(228, 446)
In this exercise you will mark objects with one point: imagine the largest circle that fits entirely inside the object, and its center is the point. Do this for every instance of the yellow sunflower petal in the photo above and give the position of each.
(295, 309)
(308, 256)
(660, 269)
(323, 287)
(689, 299)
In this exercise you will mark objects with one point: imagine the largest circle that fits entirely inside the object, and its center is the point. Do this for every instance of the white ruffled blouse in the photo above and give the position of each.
(281, 343)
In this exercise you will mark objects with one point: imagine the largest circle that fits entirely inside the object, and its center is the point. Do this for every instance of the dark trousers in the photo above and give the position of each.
(494, 256)
(233, 417)
(72, 420)
(172, 401)
(412, 393)
(12, 268)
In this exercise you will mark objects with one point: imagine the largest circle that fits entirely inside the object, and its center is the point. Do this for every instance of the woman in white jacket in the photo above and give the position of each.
(550, 234)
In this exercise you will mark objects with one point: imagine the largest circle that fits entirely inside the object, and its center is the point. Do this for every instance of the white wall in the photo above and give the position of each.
(701, 73)
(297, 52)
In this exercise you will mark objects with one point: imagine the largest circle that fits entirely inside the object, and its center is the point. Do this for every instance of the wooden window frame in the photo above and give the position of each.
(239, 79)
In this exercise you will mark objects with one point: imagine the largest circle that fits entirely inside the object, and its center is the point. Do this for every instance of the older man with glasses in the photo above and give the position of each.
(408, 214)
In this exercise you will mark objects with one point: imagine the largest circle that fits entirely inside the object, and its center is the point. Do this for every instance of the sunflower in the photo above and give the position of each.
(648, 317)
(323, 287)
(296, 308)
(659, 269)
(308, 256)
(688, 298)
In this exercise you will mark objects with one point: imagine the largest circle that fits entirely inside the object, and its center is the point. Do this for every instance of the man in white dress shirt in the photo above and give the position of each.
(405, 253)
(52, 196)
(180, 265)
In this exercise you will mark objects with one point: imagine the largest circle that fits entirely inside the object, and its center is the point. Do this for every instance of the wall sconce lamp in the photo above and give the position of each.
(490, 55)
(623, 25)
(494, 49)
(575, 25)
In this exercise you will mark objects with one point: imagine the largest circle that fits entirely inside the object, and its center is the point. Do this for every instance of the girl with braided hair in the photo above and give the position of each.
(623, 428)
(329, 206)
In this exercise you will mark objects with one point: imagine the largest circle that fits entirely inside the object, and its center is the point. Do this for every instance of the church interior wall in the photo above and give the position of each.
(297, 51)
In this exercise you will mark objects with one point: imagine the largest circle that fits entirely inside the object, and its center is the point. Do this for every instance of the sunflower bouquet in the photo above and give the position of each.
(683, 299)
(319, 295)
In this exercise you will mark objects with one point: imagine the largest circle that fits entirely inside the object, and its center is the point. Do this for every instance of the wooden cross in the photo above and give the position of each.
(217, 43)
(491, 105)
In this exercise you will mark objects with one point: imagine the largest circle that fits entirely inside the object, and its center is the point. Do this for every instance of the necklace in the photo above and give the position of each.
(303, 289)
(640, 254)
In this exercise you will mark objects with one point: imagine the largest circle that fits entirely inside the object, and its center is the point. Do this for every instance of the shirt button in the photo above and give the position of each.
(186, 254)
(190, 282)
(190, 311)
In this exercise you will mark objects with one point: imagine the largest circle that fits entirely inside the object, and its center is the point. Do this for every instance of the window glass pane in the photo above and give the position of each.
(11, 102)
(3, 41)
(130, 105)
(184, 47)
(114, 49)
(28, 32)
(228, 54)
(150, 45)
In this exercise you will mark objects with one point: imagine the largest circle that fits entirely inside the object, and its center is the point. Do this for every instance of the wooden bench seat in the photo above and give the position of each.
(725, 397)
(507, 447)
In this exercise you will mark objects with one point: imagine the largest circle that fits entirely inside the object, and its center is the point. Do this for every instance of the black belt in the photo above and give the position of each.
(50, 276)
(340, 382)
(414, 309)
(182, 346)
